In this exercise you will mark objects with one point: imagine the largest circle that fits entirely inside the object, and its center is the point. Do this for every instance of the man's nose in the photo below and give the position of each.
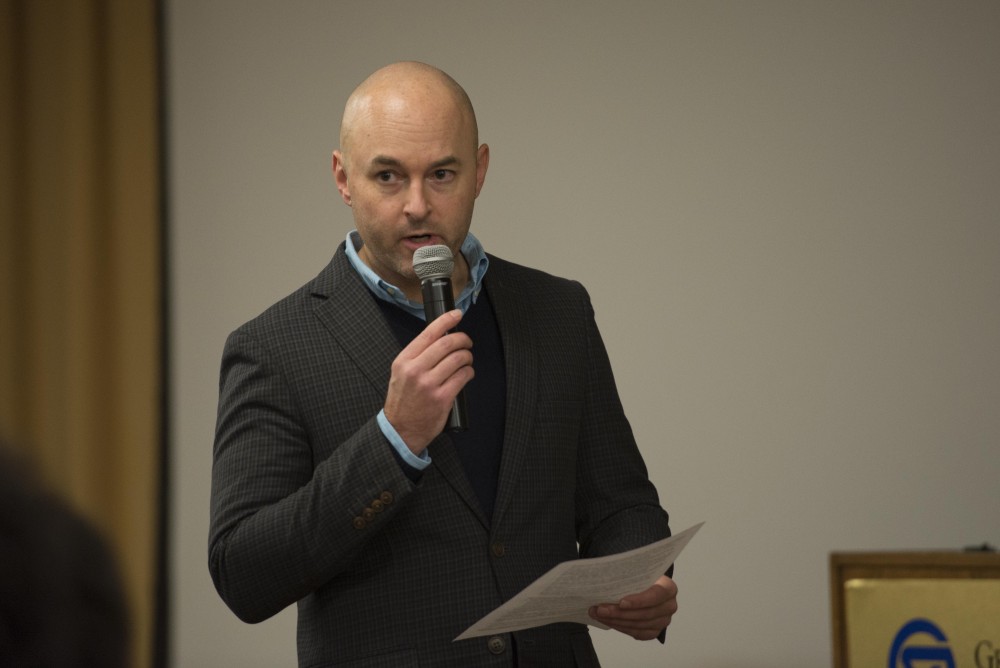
(417, 207)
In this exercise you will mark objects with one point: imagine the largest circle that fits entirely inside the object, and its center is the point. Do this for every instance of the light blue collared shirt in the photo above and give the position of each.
(474, 255)
(478, 263)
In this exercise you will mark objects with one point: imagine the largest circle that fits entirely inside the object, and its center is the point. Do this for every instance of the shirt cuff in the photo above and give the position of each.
(419, 462)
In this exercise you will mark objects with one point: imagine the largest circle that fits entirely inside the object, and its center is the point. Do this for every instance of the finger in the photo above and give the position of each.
(645, 629)
(659, 602)
(425, 366)
(455, 361)
(446, 345)
(657, 623)
(664, 589)
(454, 383)
(455, 368)
(440, 360)
(441, 370)
(638, 616)
(433, 332)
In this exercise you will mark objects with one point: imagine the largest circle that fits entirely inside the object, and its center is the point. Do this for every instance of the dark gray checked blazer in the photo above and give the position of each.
(309, 505)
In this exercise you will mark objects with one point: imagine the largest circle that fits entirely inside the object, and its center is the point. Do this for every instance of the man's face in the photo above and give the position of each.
(411, 173)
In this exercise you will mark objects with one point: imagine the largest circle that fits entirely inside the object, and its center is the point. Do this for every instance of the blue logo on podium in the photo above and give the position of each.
(907, 650)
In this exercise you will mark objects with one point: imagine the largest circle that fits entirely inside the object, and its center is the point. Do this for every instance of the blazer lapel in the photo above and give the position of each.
(514, 318)
(363, 334)
(448, 464)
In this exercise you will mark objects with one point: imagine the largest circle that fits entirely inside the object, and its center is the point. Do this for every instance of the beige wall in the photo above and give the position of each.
(786, 213)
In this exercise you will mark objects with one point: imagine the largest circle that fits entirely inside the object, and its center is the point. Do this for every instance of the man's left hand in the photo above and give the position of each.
(644, 615)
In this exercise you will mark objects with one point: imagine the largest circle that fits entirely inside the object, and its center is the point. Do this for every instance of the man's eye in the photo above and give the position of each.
(443, 175)
(384, 177)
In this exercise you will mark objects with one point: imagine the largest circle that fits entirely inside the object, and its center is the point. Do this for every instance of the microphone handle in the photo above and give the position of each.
(438, 300)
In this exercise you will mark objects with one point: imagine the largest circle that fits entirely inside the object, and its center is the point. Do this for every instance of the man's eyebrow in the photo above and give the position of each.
(386, 161)
(445, 162)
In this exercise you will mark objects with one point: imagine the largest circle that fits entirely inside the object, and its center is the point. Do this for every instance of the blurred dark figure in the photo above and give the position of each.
(62, 604)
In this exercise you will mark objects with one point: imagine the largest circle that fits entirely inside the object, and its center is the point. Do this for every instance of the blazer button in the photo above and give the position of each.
(498, 549)
(378, 506)
(359, 523)
(496, 645)
(386, 497)
(368, 514)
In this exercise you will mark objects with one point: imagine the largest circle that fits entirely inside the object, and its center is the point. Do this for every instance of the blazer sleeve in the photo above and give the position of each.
(618, 507)
(281, 523)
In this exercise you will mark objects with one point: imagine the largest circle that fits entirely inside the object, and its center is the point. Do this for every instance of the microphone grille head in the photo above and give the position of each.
(433, 262)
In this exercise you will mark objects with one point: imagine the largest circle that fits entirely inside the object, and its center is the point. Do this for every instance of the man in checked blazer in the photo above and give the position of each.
(333, 486)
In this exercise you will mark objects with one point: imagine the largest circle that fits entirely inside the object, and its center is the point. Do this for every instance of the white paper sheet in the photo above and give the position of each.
(568, 591)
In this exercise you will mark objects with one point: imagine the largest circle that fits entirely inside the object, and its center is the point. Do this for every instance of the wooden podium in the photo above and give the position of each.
(967, 581)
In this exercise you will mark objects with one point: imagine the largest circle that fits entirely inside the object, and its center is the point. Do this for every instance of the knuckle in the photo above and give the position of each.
(402, 367)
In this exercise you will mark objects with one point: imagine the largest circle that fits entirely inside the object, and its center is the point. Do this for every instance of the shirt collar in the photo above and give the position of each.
(471, 249)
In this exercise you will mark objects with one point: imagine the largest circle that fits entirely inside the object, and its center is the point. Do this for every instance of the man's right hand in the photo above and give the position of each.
(426, 377)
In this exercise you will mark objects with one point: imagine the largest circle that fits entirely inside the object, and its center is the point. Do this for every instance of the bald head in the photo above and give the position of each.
(407, 90)
(410, 169)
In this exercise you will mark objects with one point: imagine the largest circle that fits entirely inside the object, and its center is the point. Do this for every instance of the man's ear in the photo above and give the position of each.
(482, 164)
(340, 177)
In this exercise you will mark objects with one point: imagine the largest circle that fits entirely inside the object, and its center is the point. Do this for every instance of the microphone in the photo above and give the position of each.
(433, 266)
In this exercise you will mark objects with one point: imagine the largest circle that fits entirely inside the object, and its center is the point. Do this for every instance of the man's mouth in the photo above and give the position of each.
(417, 240)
